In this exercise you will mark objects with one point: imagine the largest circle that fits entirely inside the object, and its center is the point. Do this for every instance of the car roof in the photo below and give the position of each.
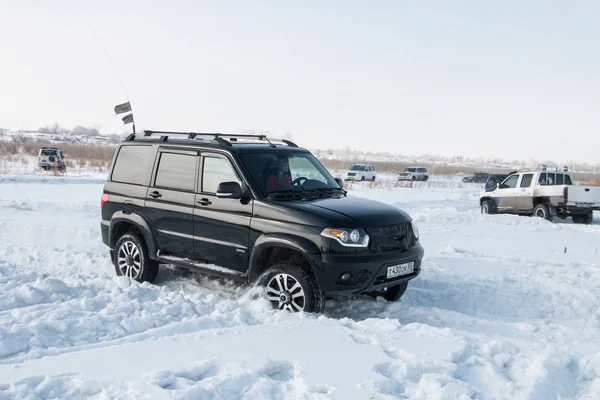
(238, 148)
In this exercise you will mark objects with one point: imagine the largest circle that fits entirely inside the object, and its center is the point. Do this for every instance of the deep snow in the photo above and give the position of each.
(506, 308)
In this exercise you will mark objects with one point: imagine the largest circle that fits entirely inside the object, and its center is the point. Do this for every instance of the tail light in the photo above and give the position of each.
(103, 200)
(566, 194)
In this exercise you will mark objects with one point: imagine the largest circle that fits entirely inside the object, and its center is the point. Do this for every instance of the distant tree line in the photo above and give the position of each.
(78, 130)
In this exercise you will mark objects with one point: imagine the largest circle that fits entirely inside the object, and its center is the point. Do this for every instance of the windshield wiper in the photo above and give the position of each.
(296, 194)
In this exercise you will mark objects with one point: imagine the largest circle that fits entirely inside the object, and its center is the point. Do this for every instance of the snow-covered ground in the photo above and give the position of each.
(506, 308)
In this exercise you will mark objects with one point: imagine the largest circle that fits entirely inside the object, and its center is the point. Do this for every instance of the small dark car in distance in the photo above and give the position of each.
(253, 209)
(477, 177)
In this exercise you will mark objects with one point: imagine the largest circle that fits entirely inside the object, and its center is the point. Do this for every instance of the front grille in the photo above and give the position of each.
(351, 174)
(390, 238)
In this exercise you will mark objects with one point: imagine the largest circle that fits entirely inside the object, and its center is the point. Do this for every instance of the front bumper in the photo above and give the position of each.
(369, 271)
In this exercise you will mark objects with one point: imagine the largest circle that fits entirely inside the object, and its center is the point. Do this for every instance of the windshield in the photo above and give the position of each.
(410, 170)
(274, 173)
(357, 167)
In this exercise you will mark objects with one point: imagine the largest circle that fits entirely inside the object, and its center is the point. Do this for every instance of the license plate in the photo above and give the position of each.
(399, 270)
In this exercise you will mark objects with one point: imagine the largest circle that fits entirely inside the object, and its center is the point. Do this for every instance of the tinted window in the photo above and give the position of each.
(510, 183)
(542, 179)
(568, 180)
(133, 165)
(410, 170)
(550, 180)
(176, 171)
(560, 179)
(217, 170)
(526, 180)
(422, 170)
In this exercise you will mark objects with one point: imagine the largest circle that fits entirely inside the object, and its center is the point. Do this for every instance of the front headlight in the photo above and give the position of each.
(415, 229)
(347, 237)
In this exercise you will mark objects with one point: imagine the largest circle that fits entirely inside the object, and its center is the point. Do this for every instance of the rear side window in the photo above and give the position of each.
(526, 180)
(559, 179)
(568, 180)
(133, 165)
(217, 170)
(176, 171)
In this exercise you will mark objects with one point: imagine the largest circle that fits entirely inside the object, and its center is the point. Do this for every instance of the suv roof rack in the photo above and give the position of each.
(219, 138)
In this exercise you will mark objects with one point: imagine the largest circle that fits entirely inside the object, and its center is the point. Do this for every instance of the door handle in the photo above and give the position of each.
(155, 194)
(204, 202)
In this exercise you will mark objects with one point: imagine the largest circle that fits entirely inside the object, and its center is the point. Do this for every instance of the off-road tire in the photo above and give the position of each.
(362, 178)
(542, 211)
(488, 207)
(414, 178)
(314, 300)
(148, 267)
(583, 218)
(393, 293)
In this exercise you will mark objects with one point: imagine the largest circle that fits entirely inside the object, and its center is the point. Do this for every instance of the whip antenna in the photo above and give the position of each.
(120, 108)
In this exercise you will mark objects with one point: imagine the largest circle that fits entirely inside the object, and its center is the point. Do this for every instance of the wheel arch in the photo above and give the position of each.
(273, 248)
(121, 223)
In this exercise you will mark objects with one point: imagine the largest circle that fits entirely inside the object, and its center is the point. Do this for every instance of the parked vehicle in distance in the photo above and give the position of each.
(477, 177)
(414, 174)
(361, 172)
(544, 194)
(51, 158)
(494, 179)
(256, 210)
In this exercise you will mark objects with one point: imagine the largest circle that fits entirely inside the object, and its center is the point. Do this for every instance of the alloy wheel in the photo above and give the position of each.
(286, 293)
(129, 260)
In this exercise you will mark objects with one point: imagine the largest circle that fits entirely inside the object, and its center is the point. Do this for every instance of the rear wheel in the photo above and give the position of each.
(425, 179)
(289, 287)
(542, 211)
(131, 259)
(393, 293)
(583, 218)
(488, 207)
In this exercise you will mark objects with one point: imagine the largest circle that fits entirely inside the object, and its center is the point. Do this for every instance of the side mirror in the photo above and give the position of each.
(339, 182)
(229, 190)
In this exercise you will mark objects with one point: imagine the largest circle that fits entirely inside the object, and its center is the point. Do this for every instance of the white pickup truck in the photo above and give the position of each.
(544, 194)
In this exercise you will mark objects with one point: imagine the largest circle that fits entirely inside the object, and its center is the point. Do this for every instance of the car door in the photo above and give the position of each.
(506, 194)
(170, 201)
(221, 226)
(524, 193)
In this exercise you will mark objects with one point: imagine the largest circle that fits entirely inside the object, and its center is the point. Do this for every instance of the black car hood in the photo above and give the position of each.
(350, 212)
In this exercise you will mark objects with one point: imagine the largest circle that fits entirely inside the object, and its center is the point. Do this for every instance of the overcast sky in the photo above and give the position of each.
(513, 79)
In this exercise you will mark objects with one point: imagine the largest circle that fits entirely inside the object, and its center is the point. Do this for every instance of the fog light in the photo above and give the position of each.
(346, 277)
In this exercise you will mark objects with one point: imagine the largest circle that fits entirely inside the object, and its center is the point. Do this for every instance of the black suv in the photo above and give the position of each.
(255, 209)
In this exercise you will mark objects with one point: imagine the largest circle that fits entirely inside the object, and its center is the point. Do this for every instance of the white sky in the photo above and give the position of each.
(512, 79)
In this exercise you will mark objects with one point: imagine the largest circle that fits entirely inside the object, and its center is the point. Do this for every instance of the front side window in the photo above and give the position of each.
(176, 171)
(542, 180)
(277, 172)
(510, 182)
(217, 170)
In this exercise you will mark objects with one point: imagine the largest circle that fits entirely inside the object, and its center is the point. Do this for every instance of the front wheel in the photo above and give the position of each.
(289, 287)
(488, 207)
